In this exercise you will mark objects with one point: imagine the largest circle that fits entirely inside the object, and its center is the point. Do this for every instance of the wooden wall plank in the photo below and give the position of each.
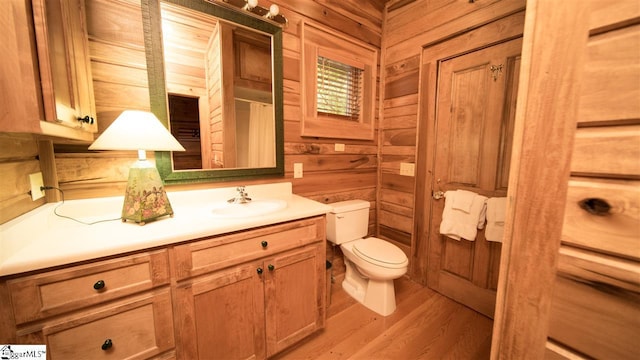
(583, 311)
(612, 73)
(108, 20)
(18, 159)
(15, 199)
(617, 231)
(596, 151)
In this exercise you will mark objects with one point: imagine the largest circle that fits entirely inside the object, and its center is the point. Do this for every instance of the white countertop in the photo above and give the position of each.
(41, 239)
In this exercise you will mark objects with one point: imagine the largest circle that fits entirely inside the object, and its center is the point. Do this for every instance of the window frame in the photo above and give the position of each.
(321, 41)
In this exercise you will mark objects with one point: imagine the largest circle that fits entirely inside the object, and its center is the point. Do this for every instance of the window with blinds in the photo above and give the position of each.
(339, 89)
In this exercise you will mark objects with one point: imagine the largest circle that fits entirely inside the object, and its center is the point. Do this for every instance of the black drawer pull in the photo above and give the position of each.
(595, 206)
(259, 270)
(107, 345)
(264, 244)
(271, 267)
(99, 285)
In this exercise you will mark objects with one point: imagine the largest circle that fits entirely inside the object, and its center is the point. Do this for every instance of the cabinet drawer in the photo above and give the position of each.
(617, 231)
(136, 329)
(218, 252)
(38, 296)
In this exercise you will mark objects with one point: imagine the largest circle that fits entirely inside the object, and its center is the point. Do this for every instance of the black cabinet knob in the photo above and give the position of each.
(99, 285)
(271, 267)
(107, 344)
(87, 119)
(259, 270)
(264, 244)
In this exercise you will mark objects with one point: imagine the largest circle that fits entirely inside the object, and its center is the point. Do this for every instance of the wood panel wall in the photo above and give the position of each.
(18, 159)
(409, 26)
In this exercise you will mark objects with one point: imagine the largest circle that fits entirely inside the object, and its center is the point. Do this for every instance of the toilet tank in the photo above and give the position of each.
(348, 221)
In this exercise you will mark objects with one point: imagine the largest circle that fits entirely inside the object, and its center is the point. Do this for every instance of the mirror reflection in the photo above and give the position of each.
(218, 78)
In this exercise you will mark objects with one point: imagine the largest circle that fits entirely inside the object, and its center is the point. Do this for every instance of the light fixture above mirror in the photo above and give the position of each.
(252, 7)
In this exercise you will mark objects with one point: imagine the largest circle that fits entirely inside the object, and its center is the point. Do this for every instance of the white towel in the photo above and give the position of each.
(463, 200)
(496, 210)
(458, 224)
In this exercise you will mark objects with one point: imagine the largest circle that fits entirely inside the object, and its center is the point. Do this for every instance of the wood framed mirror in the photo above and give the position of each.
(235, 102)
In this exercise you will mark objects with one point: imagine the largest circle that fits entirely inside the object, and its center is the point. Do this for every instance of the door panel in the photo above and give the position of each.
(456, 257)
(468, 96)
(474, 125)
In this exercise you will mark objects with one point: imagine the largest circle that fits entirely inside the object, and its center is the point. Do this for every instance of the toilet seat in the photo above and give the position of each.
(379, 252)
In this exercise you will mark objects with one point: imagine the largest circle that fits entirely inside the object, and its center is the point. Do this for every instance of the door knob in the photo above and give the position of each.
(437, 195)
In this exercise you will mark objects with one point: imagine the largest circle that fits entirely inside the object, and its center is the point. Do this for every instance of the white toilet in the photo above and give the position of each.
(372, 263)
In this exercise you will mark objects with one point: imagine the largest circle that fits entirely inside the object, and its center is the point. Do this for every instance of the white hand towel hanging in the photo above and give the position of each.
(496, 210)
(459, 224)
(463, 200)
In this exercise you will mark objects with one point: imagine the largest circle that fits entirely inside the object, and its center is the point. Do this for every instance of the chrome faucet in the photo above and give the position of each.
(241, 198)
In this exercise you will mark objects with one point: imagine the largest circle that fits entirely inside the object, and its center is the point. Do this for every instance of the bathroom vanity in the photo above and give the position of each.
(192, 286)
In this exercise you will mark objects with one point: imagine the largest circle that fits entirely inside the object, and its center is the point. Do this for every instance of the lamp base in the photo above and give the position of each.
(145, 198)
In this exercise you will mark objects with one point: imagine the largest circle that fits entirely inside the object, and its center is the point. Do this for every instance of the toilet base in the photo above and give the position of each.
(377, 295)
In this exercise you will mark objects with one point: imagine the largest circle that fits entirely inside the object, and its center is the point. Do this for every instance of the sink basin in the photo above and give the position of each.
(253, 208)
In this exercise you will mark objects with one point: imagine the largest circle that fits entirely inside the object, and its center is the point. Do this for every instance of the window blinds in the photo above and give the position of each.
(339, 88)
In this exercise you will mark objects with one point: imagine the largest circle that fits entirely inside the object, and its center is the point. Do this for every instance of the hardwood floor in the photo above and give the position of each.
(425, 325)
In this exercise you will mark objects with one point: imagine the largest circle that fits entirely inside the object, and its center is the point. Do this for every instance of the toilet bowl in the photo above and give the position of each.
(371, 263)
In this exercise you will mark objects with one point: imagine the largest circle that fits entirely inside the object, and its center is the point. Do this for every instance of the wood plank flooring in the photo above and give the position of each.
(425, 325)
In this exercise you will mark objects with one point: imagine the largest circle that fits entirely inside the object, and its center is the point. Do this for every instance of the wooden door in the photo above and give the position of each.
(222, 316)
(294, 296)
(473, 136)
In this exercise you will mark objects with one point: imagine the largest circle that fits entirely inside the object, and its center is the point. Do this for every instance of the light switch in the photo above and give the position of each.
(407, 169)
(297, 170)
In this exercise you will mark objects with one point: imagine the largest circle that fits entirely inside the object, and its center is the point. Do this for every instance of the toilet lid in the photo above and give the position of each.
(380, 252)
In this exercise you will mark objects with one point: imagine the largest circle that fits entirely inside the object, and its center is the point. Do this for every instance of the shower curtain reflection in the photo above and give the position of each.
(255, 134)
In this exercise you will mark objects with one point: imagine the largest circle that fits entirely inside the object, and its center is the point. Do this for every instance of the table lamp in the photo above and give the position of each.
(145, 198)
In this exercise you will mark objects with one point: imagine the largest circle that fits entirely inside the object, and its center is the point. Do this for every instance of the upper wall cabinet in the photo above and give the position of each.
(48, 69)
(63, 59)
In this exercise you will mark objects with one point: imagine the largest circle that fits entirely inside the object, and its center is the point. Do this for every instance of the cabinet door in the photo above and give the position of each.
(294, 296)
(63, 56)
(221, 316)
(19, 85)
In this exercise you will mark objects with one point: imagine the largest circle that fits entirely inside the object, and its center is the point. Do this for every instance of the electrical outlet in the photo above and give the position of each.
(35, 181)
(339, 147)
(407, 169)
(297, 170)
